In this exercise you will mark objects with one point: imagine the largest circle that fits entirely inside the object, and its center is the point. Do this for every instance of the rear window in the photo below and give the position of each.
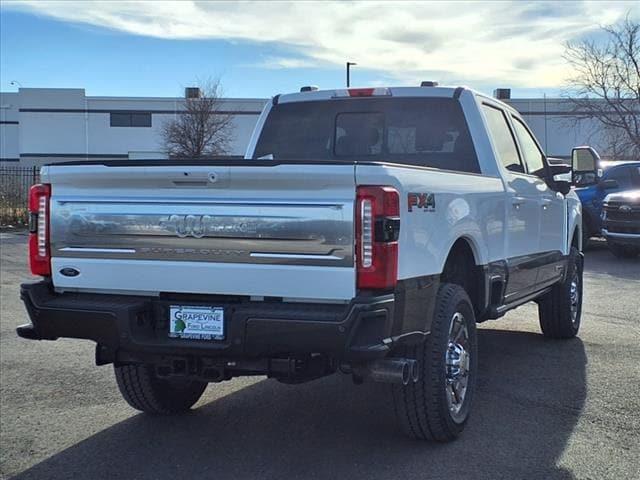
(430, 132)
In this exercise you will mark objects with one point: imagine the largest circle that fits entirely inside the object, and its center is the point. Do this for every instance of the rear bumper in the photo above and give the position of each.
(130, 328)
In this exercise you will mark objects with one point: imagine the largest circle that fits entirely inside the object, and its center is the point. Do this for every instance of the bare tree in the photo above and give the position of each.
(202, 128)
(606, 85)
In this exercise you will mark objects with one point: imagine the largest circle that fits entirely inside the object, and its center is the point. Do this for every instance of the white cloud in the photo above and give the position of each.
(517, 44)
(277, 63)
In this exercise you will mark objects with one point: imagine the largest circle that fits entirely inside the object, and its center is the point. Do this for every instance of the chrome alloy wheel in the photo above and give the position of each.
(457, 361)
(574, 297)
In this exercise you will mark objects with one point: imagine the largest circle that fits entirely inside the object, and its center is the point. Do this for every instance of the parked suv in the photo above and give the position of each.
(366, 231)
(621, 223)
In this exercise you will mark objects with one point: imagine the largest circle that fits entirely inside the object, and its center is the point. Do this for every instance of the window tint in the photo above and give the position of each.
(635, 177)
(128, 119)
(533, 157)
(359, 134)
(622, 175)
(502, 138)
(430, 132)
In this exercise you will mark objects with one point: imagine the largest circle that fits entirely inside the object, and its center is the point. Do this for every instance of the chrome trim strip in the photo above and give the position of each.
(295, 256)
(97, 250)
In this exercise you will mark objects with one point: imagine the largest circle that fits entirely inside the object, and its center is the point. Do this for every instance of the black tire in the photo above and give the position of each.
(144, 391)
(559, 311)
(623, 251)
(422, 408)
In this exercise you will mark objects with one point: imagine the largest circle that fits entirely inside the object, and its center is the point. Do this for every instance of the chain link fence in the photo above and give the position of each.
(14, 194)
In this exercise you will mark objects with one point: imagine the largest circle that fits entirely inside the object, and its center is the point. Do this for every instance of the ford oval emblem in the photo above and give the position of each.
(69, 272)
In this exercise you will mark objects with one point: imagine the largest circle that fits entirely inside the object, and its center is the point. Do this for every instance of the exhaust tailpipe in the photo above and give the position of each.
(389, 370)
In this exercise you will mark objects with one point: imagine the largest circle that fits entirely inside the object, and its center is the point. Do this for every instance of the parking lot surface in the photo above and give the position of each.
(544, 409)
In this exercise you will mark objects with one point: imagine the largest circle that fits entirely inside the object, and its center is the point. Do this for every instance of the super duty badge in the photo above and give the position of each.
(425, 201)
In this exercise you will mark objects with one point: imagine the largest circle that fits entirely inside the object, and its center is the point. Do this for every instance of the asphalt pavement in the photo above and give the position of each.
(544, 409)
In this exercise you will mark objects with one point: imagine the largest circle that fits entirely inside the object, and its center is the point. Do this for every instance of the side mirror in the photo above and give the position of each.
(561, 177)
(609, 184)
(585, 162)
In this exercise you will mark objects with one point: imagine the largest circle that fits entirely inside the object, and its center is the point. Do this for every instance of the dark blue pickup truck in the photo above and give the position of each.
(592, 190)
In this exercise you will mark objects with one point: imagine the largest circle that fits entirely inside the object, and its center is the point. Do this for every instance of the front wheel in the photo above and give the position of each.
(560, 310)
(437, 406)
(145, 391)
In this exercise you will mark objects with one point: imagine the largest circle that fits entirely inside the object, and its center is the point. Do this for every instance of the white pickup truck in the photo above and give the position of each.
(366, 231)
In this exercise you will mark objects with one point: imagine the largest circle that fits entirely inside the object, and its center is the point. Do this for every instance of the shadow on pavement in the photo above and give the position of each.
(600, 261)
(530, 396)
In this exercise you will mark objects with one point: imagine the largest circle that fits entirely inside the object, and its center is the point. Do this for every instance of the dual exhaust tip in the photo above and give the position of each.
(390, 370)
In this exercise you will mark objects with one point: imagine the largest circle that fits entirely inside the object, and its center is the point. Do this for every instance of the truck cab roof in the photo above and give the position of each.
(355, 92)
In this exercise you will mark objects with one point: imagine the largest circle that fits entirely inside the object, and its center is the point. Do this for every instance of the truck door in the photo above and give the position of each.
(522, 216)
(553, 215)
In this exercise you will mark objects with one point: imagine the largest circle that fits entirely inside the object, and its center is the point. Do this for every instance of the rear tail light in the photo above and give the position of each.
(39, 252)
(377, 230)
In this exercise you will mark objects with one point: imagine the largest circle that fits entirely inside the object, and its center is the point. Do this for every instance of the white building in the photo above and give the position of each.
(45, 125)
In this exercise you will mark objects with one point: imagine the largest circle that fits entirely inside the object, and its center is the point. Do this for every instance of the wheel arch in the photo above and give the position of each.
(463, 267)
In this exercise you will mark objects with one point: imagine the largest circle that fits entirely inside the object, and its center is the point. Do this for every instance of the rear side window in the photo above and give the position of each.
(430, 132)
(502, 138)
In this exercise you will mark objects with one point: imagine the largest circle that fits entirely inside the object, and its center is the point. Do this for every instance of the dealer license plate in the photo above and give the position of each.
(196, 323)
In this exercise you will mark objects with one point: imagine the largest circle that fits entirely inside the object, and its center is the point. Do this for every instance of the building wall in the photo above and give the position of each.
(42, 125)
(50, 125)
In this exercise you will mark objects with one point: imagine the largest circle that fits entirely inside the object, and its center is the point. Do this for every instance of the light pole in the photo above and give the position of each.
(348, 71)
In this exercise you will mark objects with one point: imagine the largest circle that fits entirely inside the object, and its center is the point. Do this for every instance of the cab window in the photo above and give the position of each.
(502, 138)
(623, 175)
(533, 156)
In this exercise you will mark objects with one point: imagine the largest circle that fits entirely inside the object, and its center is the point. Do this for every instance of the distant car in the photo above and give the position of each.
(592, 189)
(621, 223)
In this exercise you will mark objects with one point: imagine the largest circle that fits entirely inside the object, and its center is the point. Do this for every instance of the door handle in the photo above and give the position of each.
(545, 202)
(517, 201)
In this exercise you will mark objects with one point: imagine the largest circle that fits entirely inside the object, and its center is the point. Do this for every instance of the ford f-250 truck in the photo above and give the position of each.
(366, 232)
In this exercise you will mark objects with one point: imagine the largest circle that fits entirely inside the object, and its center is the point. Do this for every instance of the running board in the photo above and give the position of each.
(500, 310)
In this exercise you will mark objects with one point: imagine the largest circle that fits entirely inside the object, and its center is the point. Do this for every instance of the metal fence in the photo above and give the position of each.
(14, 193)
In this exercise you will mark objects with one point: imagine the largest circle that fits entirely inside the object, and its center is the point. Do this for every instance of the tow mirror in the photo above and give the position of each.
(585, 162)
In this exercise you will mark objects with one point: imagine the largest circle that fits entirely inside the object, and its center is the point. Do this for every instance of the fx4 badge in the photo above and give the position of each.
(425, 201)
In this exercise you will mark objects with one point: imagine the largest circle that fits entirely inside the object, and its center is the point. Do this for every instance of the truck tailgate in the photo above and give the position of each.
(281, 231)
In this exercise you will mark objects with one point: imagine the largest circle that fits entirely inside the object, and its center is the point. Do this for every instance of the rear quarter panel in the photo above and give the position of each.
(466, 206)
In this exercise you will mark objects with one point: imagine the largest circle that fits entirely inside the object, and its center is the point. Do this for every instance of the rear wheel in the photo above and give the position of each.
(623, 251)
(560, 310)
(145, 391)
(437, 406)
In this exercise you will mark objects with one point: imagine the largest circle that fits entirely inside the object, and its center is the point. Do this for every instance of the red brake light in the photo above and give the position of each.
(377, 230)
(361, 92)
(39, 252)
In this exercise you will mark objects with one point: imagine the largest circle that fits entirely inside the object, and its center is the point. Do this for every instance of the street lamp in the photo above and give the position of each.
(348, 68)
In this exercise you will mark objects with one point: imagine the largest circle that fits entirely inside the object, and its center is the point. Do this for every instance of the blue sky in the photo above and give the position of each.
(260, 49)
